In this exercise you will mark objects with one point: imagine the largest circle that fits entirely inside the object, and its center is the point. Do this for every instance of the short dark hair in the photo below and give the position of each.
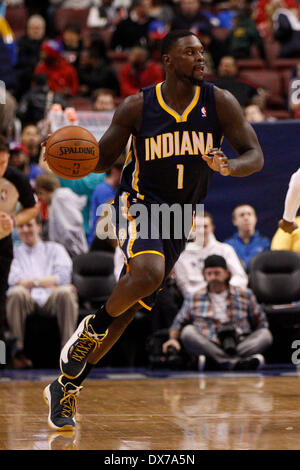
(4, 145)
(74, 27)
(171, 38)
(47, 181)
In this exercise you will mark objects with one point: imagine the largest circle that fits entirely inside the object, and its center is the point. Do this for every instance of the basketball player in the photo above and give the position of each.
(193, 115)
(291, 204)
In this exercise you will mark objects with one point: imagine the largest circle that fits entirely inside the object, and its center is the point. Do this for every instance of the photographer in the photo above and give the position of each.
(221, 323)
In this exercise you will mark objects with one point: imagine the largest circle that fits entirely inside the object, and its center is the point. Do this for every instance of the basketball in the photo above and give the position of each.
(72, 152)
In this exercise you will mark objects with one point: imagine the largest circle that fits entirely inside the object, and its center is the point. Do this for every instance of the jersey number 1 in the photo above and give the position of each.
(180, 169)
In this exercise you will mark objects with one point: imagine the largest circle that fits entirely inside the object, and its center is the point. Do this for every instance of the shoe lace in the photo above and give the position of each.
(69, 403)
(85, 343)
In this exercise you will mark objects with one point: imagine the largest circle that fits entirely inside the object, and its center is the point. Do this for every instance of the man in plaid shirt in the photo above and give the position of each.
(222, 323)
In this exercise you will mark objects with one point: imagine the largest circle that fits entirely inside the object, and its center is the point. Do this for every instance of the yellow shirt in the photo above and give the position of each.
(287, 241)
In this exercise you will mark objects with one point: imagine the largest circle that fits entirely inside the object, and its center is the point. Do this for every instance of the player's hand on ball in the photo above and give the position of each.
(218, 162)
(43, 145)
(288, 227)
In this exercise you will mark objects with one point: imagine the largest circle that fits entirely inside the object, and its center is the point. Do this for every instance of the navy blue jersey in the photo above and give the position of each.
(164, 163)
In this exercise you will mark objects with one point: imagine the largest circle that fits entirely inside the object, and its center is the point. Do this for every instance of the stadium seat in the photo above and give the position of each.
(272, 48)
(251, 64)
(274, 278)
(269, 80)
(17, 18)
(93, 276)
(71, 15)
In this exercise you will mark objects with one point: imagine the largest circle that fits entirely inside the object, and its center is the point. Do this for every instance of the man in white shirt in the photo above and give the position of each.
(291, 204)
(189, 267)
(40, 275)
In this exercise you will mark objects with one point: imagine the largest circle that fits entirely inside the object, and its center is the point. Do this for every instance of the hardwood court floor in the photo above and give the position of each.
(188, 413)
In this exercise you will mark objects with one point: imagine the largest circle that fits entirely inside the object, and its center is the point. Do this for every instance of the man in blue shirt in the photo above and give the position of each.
(247, 241)
(104, 193)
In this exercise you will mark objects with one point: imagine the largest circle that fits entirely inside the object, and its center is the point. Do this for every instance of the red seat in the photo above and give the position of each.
(280, 64)
(71, 15)
(272, 49)
(269, 80)
(286, 76)
(278, 113)
(250, 64)
(17, 19)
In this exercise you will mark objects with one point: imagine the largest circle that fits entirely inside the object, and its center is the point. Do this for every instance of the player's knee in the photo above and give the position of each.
(148, 277)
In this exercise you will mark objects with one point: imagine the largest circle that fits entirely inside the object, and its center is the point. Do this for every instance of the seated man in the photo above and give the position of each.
(222, 323)
(247, 241)
(189, 268)
(40, 275)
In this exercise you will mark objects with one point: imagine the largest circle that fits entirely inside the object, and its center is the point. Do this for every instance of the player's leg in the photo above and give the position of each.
(61, 396)
(146, 274)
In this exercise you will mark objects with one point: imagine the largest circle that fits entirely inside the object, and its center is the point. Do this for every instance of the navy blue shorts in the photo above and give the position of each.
(132, 245)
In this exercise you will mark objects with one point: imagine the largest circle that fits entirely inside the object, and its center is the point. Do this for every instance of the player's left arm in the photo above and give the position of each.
(241, 136)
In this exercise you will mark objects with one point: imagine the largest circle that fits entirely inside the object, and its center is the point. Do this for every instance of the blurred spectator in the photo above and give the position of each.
(7, 73)
(264, 10)
(139, 72)
(247, 241)
(189, 16)
(214, 49)
(253, 113)
(62, 77)
(105, 14)
(40, 275)
(35, 103)
(104, 193)
(95, 71)
(226, 11)
(162, 12)
(63, 219)
(31, 139)
(134, 29)
(8, 115)
(72, 44)
(19, 158)
(46, 9)
(287, 241)
(294, 93)
(156, 32)
(221, 323)
(14, 188)
(286, 29)
(189, 267)
(228, 79)
(29, 47)
(45, 187)
(244, 34)
(104, 100)
(84, 187)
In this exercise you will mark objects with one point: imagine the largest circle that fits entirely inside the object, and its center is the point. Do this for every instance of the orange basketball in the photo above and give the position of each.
(72, 152)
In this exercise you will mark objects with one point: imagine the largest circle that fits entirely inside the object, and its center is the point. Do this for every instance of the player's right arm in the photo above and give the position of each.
(126, 120)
